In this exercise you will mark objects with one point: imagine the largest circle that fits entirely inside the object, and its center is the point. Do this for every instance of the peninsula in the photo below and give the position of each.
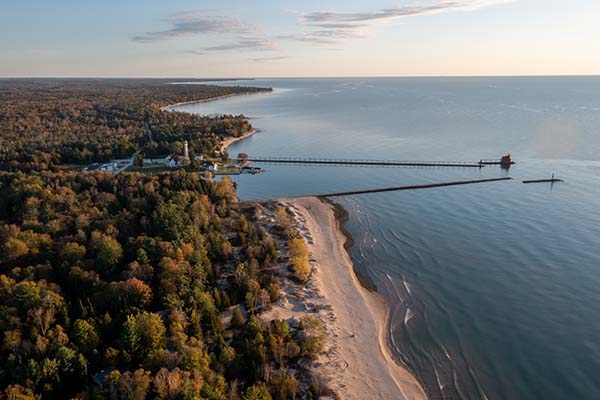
(124, 282)
(355, 318)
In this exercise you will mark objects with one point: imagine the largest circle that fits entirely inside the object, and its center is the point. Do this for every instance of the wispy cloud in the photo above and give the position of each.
(245, 43)
(336, 20)
(331, 27)
(267, 59)
(324, 28)
(197, 23)
(230, 34)
(324, 36)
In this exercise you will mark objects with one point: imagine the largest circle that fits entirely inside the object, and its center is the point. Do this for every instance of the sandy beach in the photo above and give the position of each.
(183, 103)
(228, 141)
(357, 363)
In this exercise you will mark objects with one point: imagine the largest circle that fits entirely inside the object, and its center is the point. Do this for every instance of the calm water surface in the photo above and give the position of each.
(494, 288)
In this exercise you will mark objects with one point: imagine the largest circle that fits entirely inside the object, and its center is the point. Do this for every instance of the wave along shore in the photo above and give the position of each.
(358, 362)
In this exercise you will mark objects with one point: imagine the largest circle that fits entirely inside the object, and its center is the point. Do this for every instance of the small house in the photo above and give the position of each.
(210, 166)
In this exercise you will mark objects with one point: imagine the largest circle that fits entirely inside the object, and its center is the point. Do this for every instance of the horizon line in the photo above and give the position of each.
(221, 79)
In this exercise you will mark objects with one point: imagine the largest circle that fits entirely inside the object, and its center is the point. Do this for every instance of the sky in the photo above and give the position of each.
(308, 38)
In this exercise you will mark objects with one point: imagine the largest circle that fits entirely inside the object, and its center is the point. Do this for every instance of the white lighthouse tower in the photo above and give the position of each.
(186, 153)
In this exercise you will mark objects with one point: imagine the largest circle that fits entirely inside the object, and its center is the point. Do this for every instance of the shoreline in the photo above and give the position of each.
(358, 330)
(225, 96)
(183, 103)
(228, 141)
(358, 360)
(341, 216)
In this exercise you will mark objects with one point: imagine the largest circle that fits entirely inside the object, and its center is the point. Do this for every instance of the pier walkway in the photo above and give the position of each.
(373, 163)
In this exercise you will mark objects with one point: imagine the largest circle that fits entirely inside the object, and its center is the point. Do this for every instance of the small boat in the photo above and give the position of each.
(252, 170)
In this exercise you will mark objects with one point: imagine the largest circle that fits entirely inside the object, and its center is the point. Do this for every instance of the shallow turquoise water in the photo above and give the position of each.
(494, 288)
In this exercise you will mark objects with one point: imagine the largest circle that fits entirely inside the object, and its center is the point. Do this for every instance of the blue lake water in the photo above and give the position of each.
(494, 288)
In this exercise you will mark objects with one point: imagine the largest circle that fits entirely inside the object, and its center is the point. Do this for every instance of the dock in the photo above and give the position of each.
(412, 187)
(365, 163)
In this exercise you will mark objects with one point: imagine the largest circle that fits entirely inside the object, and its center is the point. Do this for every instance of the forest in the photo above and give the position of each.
(48, 123)
(130, 286)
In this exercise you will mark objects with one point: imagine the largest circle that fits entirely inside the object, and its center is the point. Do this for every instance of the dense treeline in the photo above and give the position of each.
(131, 287)
(48, 122)
(170, 129)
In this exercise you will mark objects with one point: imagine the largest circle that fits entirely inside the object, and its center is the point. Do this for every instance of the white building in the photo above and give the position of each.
(109, 167)
(211, 166)
(171, 162)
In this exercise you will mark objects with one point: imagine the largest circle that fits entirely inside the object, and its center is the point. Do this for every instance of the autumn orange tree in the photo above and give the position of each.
(298, 251)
